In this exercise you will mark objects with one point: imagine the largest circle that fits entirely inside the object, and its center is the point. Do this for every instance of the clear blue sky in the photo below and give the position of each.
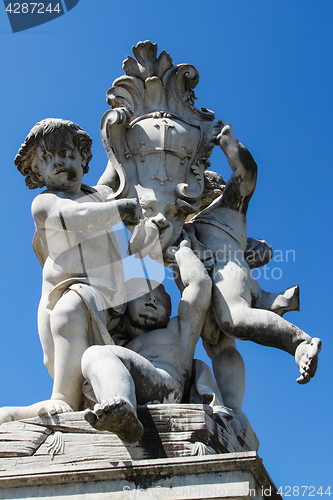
(266, 67)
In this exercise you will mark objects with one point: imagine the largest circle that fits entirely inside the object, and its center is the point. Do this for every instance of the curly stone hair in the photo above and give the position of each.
(25, 159)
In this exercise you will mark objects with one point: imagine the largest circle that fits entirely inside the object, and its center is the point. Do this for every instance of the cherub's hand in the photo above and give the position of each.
(226, 130)
(186, 242)
(170, 254)
(132, 211)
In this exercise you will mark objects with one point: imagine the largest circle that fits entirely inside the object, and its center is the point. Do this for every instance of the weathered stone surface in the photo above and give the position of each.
(21, 439)
(225, 476)
(158, 144)
(170, 431)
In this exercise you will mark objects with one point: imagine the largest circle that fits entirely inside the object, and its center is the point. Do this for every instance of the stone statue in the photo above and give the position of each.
(241, 309)
(158, 146)
(83, 279)
(110, 349)
(156, 364)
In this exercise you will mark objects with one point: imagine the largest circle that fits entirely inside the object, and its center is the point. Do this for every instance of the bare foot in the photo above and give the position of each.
(54, 407)
(118, 417)
(6, 414)
(306, 357)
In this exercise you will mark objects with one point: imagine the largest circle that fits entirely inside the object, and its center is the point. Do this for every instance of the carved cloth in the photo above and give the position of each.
(96, 297)
(102, 290)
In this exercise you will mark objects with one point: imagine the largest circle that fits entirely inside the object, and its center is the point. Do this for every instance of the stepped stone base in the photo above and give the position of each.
(184, 448)
(234, 476)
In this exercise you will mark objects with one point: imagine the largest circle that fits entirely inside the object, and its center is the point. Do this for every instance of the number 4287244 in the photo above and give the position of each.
(309, 491)
(32, 8)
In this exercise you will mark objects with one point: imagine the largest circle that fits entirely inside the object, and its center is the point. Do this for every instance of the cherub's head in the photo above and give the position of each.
(148, 307)
(54, 152)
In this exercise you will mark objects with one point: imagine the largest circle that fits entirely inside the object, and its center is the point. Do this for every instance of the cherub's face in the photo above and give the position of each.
(59, 162)
(149, 311)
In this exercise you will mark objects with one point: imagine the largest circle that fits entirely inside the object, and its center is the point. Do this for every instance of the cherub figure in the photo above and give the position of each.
(156, 363)
(83, 283)
(241, 309)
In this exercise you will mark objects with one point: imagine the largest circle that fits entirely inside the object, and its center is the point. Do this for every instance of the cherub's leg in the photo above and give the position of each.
(45, 334)
(120, 378)
(114, 389)
(232, 303)
(229, 370)
(10, 413)
(70, 327)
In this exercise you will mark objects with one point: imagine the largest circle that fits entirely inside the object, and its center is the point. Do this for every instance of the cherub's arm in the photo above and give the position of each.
(241, 185)
(53, 212)
(196, 295)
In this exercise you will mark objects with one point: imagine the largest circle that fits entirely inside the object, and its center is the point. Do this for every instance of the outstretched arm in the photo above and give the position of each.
(51, 212)
(242, 183)
(196, 295)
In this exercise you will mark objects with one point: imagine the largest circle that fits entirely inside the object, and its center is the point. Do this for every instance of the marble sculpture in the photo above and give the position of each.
(111, 345)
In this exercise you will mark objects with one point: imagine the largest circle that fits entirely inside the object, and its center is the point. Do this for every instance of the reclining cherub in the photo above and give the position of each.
(83, 292)
(156, 364)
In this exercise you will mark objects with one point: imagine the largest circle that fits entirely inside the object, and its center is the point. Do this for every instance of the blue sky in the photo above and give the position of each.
(265, 66)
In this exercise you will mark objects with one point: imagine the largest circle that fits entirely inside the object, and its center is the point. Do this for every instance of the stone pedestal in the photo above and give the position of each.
(187, 451)
(171, 430)
(226, 476)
